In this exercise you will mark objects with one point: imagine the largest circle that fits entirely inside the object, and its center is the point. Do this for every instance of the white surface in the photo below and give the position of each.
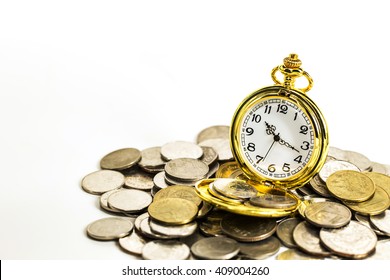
(79, 79)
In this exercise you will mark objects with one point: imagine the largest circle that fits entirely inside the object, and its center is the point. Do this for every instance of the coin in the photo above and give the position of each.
(361, 161)
(217, 194)
(319, 186)
(380, 180)
(373, 206)
(382, 222)
(285, 230)
(336, 153)
(146, 231)
(261, 249)
(211, 228)
(179, 191)
(235, 189)
(210, 156)
(165, 250)
(328, 214)
(204, 209)
(174, 211)
(350, 185)
(186, 169)
(139, 180)
(102, 181)
(307, 239)
(151, 160)
(104, 199)
(382, 251)
(365, 220)
(109, 228)
(216, 131)
(292, 254)
(354, 240)
(247, 228)
(127, 200)
(215, 248)
(174, 231)
(332, 166)
(133, 243)
(221, 146)
(273, 201)
(227, 169)
(159, 180)
(121, 159)
(379, 168)
(181, 149)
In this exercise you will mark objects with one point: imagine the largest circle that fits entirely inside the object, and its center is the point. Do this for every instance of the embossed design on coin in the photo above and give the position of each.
(235, 189)
(174, 211)
(215, 248)
(328, 214)
(133, 243)
(221, 146)
(378, 203)
(104, 201)
(186, 169)
(139, 180)
(285, 231)
(212, 132)
(130, 201)
(350, 185)
(319, 186)
(109, 228)
(361, 161)
(351, 241)
(332, 166)
(380, 180)
(210, 156)
(121, 159)
(228, 170)
(274, 201)
(102, 181)
(151, 159)
(178, 191)
(173, 230)
(165, 250)
(181, 149)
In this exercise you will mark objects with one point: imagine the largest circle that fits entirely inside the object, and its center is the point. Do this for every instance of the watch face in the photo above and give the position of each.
(276, 138)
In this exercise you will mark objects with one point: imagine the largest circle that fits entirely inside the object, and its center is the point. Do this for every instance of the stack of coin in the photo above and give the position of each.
(157, 213)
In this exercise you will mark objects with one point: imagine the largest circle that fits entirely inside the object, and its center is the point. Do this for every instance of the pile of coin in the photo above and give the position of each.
(157, 212)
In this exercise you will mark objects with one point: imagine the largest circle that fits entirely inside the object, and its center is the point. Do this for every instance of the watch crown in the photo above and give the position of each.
(292, 61)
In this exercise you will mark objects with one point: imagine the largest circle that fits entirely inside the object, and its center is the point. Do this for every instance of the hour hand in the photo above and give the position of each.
(270, 129)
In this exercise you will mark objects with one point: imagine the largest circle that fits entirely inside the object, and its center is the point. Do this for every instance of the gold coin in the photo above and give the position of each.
(227, 169)
(174, 211)
(179, 191)
(380, 180)
(374, 206)
(350, 185)
(121, 159)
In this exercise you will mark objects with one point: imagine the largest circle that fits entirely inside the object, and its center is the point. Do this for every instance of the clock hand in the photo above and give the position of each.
(282, 142)
(270, 129)
(276, 139)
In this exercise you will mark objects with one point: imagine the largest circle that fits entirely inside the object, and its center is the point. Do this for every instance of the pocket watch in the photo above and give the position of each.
(278, 135)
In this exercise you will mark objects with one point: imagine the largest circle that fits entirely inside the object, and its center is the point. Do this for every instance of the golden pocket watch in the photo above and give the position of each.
(278, 135)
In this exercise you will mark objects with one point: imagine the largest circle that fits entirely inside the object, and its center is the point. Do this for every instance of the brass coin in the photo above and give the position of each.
(121, 159)
(178, 191)
(218, 195)
(350, 185)
(174, 211)
(380, 180)
(234, 189)
(109, 228)
(351, 241)
(373, 206)
(328, 214)
(246, 228)
(102, 181)
(227, 169)
(285, 230)
(216, 131)
(307, 239)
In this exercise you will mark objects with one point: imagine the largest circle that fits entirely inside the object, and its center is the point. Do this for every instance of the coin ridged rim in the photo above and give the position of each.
(316, 214)
(381, 221)
(261, 201)
(128, 205)
(287, 237)
(178, 169)
(123, 227)
(179, 191)
(121, 159)
(231, 188)
(368, 207)
(175, 231)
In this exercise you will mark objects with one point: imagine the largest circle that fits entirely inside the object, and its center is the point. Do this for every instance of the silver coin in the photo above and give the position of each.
(379, 168)
(331, 167)
(186, 169)
(285, 230)
(109, 228)
(306, 191)
(319, 186)
(382, 251)
(102, 181)
(221, 146)
(159, 180)
(139, 219)
(365, 220)
(151, 159)
(103, 201)
(213, 170)
(139, 180)
(328, 214)
(307, 239)
(173, 230)
(215, 248)
(235, 189)
(146, 231)
(336, 153)
(192, 239)
(133, 243)
(121, 159)
(174, 181)
(181, 149)
(273, 201)
(382, 222)
(361, 161)
(247, 228)
(165, 250)
(127, 200)
(211, 189)
(204, 209)
(354, 240)
(212, 132)
(260, 250)
(210, 156)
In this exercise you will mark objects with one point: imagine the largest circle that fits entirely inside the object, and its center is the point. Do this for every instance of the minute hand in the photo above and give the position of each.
(282, 142)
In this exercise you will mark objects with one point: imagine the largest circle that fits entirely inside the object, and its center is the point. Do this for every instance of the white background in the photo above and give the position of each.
(79, 79)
